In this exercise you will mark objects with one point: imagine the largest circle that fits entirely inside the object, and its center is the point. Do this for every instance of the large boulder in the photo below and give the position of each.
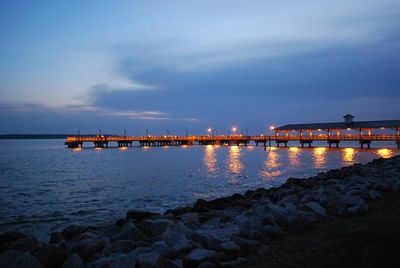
(24, 244)
(317, 209)
(200, 254)
(51, 256)
(129, 232)
(140, 215)
(7, 238)
(74, 261)
(123, 246)
(124, 261)
(18, 259)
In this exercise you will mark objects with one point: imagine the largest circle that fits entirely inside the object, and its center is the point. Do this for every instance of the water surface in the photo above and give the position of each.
(44, 186)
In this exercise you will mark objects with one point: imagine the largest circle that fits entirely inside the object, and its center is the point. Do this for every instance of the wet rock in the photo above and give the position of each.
(229, 246)
(374, 195)
(175, 263)
(155, 227)
(293, 199)
(317, 209)
(273, 230)
(24, 244)
(191, 220)
(51, 256)
(148, 260)
(359, 207)
(15, 258)
(200, 254)
(123, 246)
(102, 263)
(235, 263)
(245, 244)
(201, 205)
(161, 248)
(56, 237)
(92, 245)
(129, 232)
(74, 261)
(72, 231)
(140, 215)
(124, 261)
(7, 238)
(206, 264)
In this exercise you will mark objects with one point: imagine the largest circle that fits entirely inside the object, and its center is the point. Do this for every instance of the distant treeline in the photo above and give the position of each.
(36, 136)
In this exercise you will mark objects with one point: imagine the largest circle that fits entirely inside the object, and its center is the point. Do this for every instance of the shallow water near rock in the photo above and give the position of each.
(45, 187)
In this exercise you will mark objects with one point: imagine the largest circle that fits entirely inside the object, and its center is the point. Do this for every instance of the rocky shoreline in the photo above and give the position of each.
(216, 233)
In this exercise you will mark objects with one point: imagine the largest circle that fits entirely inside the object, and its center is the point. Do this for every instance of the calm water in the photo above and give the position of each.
(44, 187)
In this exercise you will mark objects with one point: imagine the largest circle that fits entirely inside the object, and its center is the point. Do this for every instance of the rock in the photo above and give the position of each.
(140, 215)
(374, 195)
(200, 254)
(51, 256)
(123, 246)
(182, 244)
(242, 221)
(72, 231)
(293, 199)
(360, 207)
(206, 264)
(201, 205)
(229, 246)
(191, 220)
(155, 227)
(92, 245)
(148, 260)
(56, 237)
(175, 263)
(102, 263)
(129, 232)
(161, 248)
(317, 209)
(8, 237)
(235, 263)
(17, 259)
(74, 261)
(245, 244)
(263, 250)
(24, 244)
(273, 230)
(124, 261)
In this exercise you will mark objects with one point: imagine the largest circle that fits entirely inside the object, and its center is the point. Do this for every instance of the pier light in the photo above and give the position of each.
(348, 128)
(234, 129)
(382, 128)
(209, 130)
(271, 127)
(319, 129)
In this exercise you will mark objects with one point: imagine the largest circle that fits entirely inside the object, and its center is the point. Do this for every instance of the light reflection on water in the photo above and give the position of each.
(45, 186)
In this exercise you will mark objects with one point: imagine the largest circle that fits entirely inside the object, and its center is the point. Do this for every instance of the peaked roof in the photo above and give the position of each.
(343, 125)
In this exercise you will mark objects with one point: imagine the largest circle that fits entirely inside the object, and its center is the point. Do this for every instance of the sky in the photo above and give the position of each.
(177, 66)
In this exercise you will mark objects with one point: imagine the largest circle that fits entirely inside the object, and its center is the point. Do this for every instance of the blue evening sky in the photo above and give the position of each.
(191, 65)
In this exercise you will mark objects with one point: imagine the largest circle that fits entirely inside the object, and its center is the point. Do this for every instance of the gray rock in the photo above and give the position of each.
(74, 261)
(175, 263)
(56, 237)
(72, 231)
(245, 244)
(129, 232)
(293, 199)
(235, 263)
(242, 221)
(200, 254)
(206, 264)
(181, 244)
(161, 248)
(374, 195)
(317, 209)
(124, 261)
(17, 259)
(102, 263)
(272, 230)
(191, 220)
(140, 215)
(148, 260)
(123, 246)
(360, 207)
(229, 246)
(24, 244)
(92, 245)
(51, 256)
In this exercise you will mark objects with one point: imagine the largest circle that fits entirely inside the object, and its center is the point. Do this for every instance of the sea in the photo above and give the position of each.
(45, 187)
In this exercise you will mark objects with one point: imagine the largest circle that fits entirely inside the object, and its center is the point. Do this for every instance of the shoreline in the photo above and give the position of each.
(220, 232)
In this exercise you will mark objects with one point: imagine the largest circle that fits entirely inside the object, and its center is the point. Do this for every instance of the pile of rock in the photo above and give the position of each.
(212, 233)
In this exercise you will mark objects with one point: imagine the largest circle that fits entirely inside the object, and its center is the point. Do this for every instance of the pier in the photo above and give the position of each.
(302, 134)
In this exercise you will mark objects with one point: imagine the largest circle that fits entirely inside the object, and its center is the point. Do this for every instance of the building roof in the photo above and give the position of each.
(343, 125)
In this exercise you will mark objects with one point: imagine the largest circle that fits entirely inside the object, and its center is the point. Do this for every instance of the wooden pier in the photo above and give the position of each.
(303, 134)
(101, 141)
